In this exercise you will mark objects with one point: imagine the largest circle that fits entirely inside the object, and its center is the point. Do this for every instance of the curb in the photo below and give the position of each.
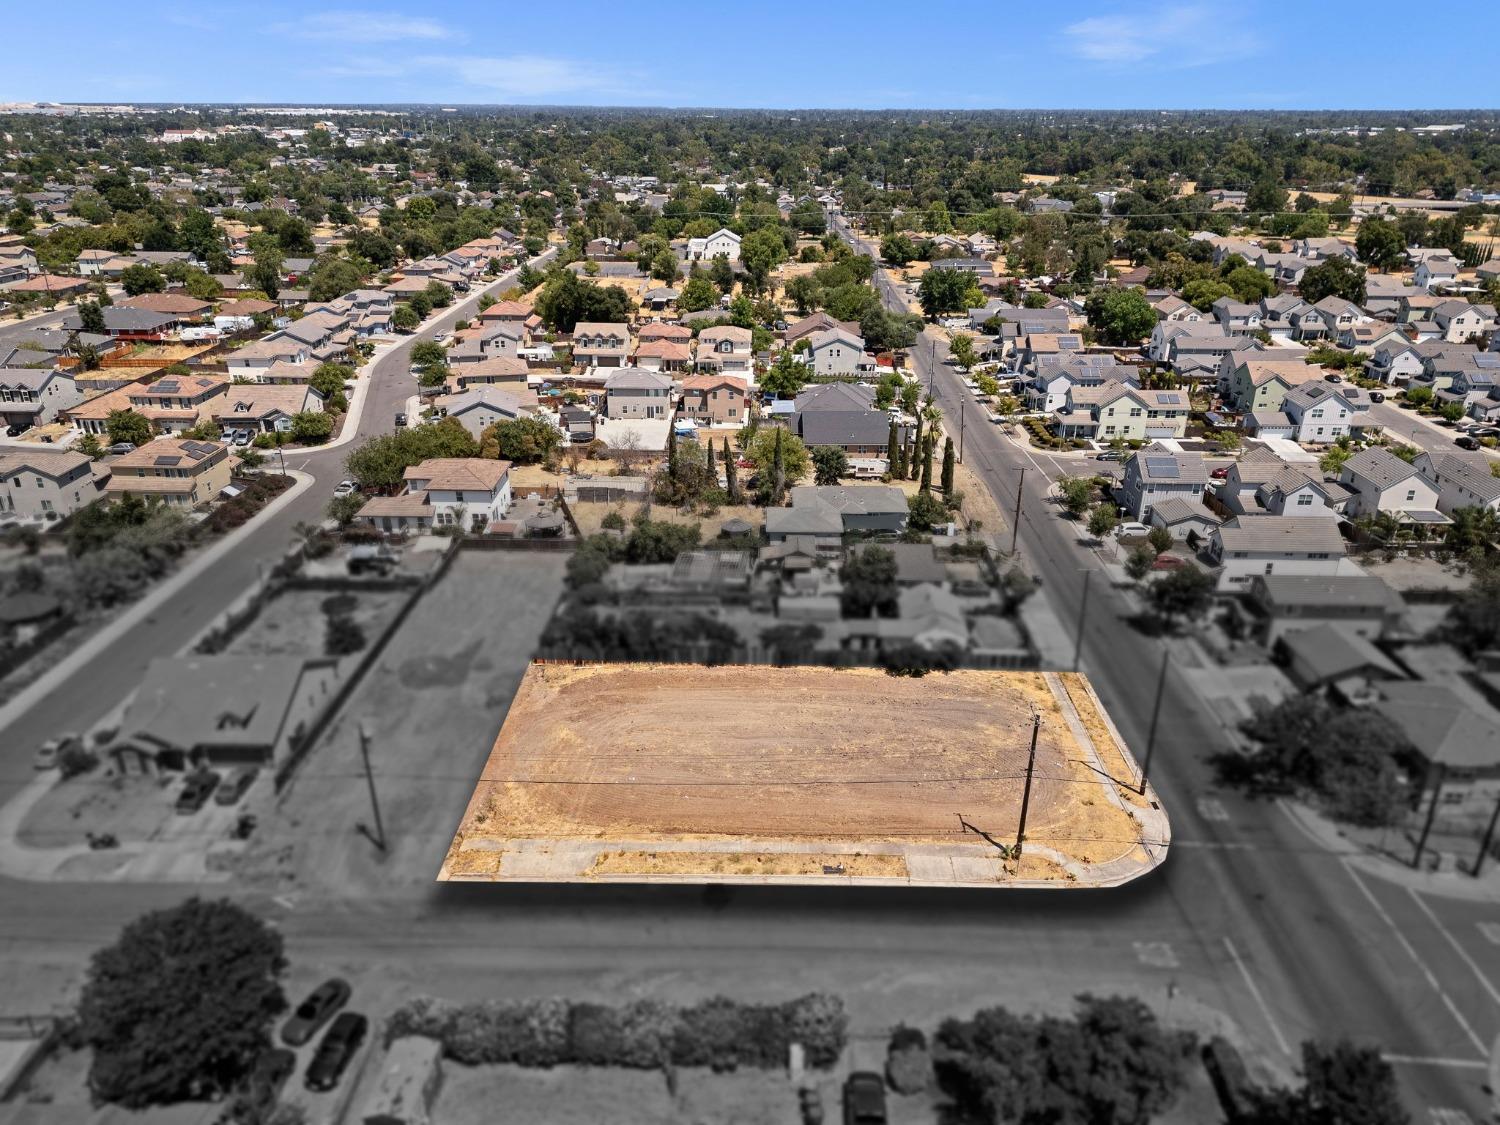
(198, 564)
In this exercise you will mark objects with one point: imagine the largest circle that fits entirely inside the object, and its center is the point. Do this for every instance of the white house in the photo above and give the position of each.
(1462, 482)
(1156, 474)
(1382, 482)
(1248, 546)
(45, 483)
(465, 492)
(721, 244)
(481, 407)
(1319, 413)
(836, 352)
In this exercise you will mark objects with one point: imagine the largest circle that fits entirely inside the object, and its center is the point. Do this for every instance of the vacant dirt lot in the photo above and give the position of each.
(656, 753)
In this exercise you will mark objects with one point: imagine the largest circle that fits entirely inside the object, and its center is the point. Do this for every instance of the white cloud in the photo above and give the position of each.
(1181, 36)
(532, 77)
(366, 27)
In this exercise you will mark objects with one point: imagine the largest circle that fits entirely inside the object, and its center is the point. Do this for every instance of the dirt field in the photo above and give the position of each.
(666, 753)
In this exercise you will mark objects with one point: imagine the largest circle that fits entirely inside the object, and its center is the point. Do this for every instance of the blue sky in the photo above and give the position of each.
(833, 53)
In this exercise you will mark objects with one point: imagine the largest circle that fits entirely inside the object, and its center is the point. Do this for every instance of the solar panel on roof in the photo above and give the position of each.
(166, 459)
(1171, 398)
(1161, 467)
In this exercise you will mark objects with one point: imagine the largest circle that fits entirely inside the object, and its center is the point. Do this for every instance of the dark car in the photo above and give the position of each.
(235, 784)
(864, 1099)
(400, 419)
(196, 791)
(1377, 396)
(339, 1045)
(315, 1011)
(1111, 455)
(1466, 442)
(263, 1086)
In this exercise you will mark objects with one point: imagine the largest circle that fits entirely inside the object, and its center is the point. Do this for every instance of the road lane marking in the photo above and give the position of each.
(1416, 960)
(1211, 808)
(1265, 1009)
(1491, 931)
(1457, 948)
(1156, 954)
(1419, 1060)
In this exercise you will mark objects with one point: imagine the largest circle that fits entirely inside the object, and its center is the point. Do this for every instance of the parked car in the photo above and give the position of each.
(233, 787)
(1131, 530)
(49, 755)
(400, 419)
(1168, 562)
(346, 488)
(1220, 473)
(263, 1086)
(319, 1007)
(196, 791)
(1466, 442)
(122, 447)
(864, 1099)
(1377, 396)
(340, 1043)
(1111, 455)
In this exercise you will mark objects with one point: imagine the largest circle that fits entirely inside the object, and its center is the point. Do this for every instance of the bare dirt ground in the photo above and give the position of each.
(652, 752)
(590, 516)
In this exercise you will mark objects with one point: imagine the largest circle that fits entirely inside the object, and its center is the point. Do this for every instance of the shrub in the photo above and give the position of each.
(75, 760)
(343, 636)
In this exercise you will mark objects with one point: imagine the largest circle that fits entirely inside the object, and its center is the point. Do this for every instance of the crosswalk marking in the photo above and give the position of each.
(1156, 954)
(1211, 808)
(1491, 931)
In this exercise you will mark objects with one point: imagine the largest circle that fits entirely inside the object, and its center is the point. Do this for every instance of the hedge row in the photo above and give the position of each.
(644, 1034)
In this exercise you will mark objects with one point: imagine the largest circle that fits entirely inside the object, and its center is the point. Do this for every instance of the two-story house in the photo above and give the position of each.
(1247, 546)
(1394, 361)
(256, 408)
(177, 402)
(1261, 385)
(713, 400)
(1457, 320)
(1318, 413)
(251, 361)
(597, 344)
(43, 484)
(1155, 474)
(180, 473)
(725, 349)
(1383, 483)
(633, 393)
(464, 492)
(1461, 482)
(721, 244)
(33, 396)
(1119, 411)
(836, 352)
(1237, 318)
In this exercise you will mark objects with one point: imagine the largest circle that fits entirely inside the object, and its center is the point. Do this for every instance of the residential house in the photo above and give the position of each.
(1124, 412)
(250, 361)
(1237, 318)
(725, 349)
(1383, 483)
(1257, 385)
(122, 323)
(464, 492)
(1358, 605)
(1156, 474)
(1367, 335)
(836, 509)
(1455, 741)
(34, 396)
(1327, 659)
(1435, 273)
(1261, 483)
(221, 711)
(817, 322)
(600, 345)
(663, 355)
(713, 400)
(481, 407)
(1247, 546)
(1318, 413)
(1395, 361)
(633, 393)
(1339, 316)
(1457, 320)
(837, 353)
(179, 473)
(177, 402)
(42, 483)
(1461, 482)
(721, 244)
(264, 408)
(1277, 312)
(512, 374)
(1172, 309)
(1183, 519)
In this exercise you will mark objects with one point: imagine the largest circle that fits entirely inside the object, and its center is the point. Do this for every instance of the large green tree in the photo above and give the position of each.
(1120, 316)
(1336, 277)
(943, 290)
(181, 1005)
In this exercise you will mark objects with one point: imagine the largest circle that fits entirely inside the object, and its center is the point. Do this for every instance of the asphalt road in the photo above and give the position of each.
(1333, 953)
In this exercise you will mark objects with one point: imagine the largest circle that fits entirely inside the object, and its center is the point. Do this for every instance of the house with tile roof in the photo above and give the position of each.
(264, 408)
(180, 473)
(1383, 483)
(464, 492)
(1461, 482)
(44, 483)
(1156, 474)
(1251, 545)
(1318, 413)
(713, 400)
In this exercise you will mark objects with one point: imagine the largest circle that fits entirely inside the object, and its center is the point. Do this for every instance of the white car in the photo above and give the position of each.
(346, 488)
(440, 338)
(1131, 530)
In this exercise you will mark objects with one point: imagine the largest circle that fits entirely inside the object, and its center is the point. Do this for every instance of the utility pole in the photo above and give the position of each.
(364, 752)
(1036, 728)
(1083, 610)
(1015, 524)
(1437, 795)
(961, 403)
(1489, 835)
(1161, 686)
